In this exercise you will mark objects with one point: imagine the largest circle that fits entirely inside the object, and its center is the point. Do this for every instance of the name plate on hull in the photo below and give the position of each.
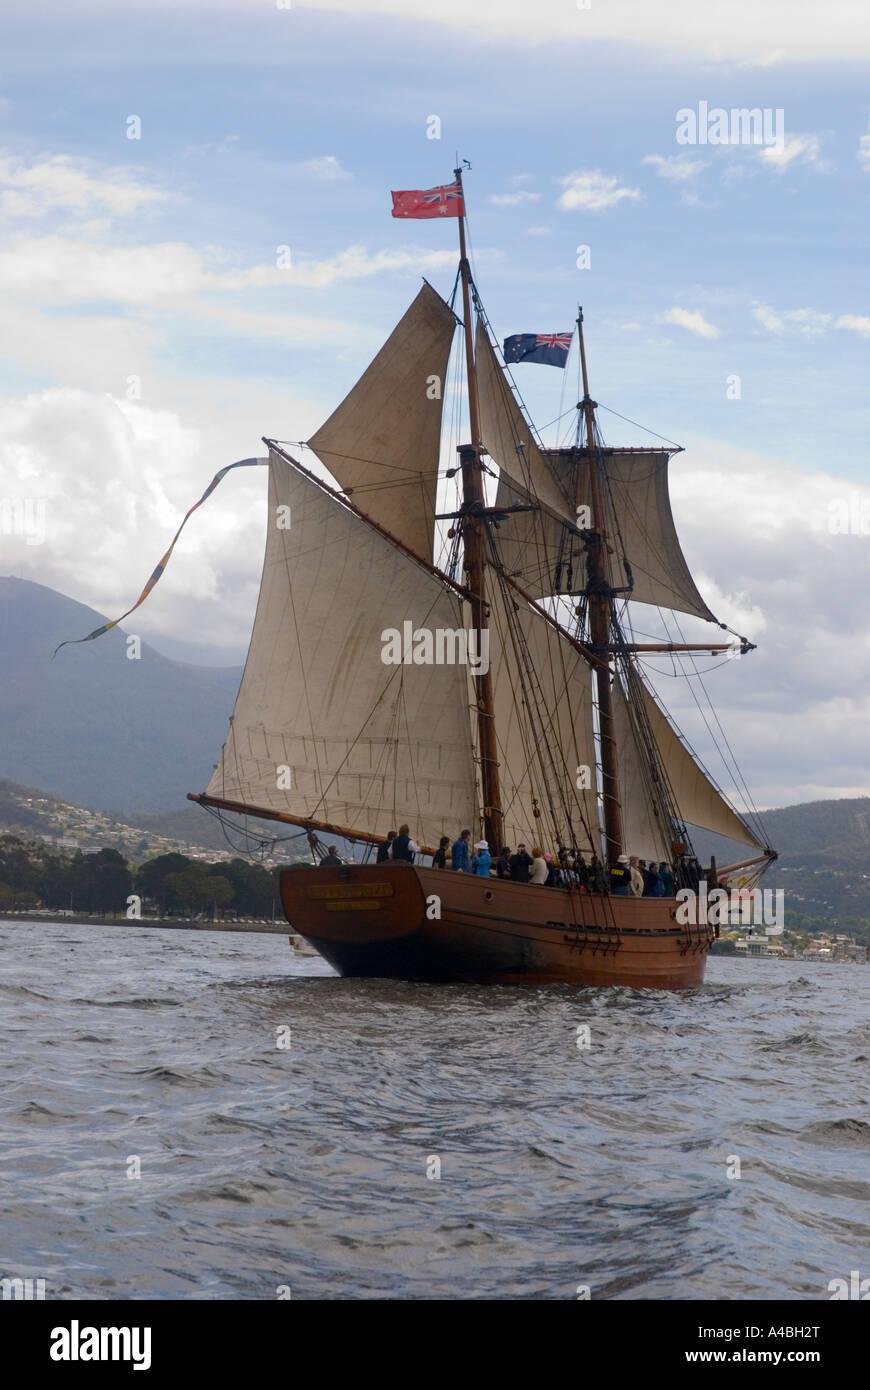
(352, 890)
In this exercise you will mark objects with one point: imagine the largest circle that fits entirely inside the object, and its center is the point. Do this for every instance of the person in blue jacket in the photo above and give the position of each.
(482, 860)
(459, 853)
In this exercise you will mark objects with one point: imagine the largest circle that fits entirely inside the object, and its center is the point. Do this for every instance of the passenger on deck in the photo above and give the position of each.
(459, 854)
(403, 847)
(620, 877)
(439, 858)
(598, 882)
(636, 876)
(667, 879)
(539, 868)
(331, 860)
(520, 863)
(503, 863)
(384, 849)
(482, 860)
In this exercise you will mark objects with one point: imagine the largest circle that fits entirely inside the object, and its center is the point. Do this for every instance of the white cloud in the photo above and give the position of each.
(62, 270)
(517, 180)
(539, 229)
(858, 323)
(694, 321)
(326, 167)
(228, 145)
(677, 168)
(801, 149)
(512, 200)
(811, 322)
(864, 153)
(593, 190)
(59, 183)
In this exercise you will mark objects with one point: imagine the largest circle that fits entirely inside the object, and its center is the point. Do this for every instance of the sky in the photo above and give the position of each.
(151, 336)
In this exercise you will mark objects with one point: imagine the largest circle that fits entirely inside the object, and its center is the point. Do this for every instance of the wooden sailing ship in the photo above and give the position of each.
(555, 740)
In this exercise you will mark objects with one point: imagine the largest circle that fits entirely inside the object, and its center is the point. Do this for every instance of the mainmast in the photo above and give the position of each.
(600, 619)
(474, 548)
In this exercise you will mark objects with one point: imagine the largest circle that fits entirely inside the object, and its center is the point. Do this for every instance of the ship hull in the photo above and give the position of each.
(404, 922)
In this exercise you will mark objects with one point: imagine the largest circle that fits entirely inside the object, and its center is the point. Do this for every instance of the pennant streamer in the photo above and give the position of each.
(98, 632)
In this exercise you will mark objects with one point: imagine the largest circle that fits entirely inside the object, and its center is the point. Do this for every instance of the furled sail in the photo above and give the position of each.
(322, 727)
(543, 719)
(697, 800)
(383, 440)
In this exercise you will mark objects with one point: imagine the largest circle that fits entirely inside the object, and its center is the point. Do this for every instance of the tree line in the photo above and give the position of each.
(32, 875)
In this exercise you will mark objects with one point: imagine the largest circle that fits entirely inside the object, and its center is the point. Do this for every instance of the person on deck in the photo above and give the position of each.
(667, 880)
(384, 849)
(620, 877)
(503, 863)
(439, 858)
(331, 860)
(520, 865)
(636, 877)
(581, 872)
(403, 847)
(540, 868)
(482, 861)
(652, 886)
(597, 877)
(459, 853)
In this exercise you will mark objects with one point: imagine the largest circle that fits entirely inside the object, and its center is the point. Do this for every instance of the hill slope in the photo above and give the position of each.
(92, 726)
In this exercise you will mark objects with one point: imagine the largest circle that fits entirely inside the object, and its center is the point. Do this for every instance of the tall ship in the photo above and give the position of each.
(471, 664)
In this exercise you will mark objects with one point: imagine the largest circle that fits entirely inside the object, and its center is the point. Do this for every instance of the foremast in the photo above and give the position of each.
(474, 550)
(600, 597)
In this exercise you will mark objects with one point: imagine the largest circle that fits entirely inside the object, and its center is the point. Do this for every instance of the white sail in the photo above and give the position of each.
(322, 727)
(382, 443)
(697, 801)
(544, 731)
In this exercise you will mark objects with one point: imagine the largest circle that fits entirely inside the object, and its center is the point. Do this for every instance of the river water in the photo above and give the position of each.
(313, 1168)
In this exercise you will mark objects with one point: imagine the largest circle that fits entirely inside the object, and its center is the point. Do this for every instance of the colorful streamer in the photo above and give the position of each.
(98, 632)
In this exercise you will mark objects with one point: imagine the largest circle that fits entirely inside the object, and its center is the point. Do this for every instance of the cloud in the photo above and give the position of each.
(858, 323)
(811, 322)
(864, 153)
(80, 187)
(512, 200)
(228, 145)
(538, 229)
(325, 167)
(800, 149)
(693, 321)
(62, 270)
(677, 168)
(593, 190)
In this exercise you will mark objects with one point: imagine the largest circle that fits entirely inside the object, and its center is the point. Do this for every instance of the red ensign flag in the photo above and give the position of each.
(445, 201)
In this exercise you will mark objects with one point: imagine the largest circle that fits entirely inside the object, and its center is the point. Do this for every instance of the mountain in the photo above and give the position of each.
(94, 727)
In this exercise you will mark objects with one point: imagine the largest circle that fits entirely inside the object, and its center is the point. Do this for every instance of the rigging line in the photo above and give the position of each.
(739, 781)
(645, 428)
(570, 411)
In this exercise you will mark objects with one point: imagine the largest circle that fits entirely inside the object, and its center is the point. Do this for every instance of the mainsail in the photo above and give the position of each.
(323, 729)
(382, 443)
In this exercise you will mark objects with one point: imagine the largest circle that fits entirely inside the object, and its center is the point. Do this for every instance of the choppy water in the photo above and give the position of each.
(307, 1167)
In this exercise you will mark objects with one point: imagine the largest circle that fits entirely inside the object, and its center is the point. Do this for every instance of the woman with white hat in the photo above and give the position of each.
(482, 859)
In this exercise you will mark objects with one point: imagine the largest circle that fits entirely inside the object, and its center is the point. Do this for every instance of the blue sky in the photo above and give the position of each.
(264, 127)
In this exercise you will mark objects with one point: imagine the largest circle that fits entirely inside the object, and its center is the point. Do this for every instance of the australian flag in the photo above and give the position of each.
(550, 348)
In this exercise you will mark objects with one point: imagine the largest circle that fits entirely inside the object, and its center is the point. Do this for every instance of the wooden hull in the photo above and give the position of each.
(380, 920)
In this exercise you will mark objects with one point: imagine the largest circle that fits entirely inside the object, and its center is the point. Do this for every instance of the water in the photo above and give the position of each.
(307, 1167)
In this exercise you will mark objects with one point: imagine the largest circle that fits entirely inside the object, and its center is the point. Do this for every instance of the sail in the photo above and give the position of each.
(543, 720)
(646, 830)
(547, 553)
(382, 443)
(503, 427)
(697, 801)
(322, 727)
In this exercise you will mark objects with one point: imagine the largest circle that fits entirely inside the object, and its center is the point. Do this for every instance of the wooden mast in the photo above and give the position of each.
(474, 547)
(600, 613)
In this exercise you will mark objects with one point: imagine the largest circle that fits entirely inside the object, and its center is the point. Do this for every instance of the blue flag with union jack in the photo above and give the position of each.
(550, 348)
